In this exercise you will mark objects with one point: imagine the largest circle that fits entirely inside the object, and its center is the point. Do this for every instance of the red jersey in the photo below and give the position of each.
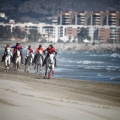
(51, 50)
(41, 48)
(30, 50)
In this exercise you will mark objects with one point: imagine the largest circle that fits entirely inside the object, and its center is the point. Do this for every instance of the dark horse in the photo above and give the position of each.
(28, 61)
(38, 62)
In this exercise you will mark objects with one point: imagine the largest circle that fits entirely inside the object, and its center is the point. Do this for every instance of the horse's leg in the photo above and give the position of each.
(5, 64)
(37, 68)
(9, 63)
(16, 67)
(40, 68)
(49, 74)
(46, 69)
(27, 68)
(53, 69)
(7, 67)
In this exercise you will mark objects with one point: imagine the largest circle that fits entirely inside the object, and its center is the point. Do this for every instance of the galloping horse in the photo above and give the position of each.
(7, 59)
(17, 60)
(28, 61)
(49, 67)
(38, 62)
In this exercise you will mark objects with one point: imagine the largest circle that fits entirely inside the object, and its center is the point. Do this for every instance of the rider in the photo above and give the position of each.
(50, 50)
(5, 52)
(37, 50)
(17, 47)
(29, 50)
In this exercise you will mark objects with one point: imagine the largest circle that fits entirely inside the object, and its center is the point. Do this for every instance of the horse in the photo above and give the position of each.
(38, 62)
(7, 59)
(28, 61)
(49, 67)
(17, 60)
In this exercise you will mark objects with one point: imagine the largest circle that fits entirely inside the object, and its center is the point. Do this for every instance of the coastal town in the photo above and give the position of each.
(101, 27)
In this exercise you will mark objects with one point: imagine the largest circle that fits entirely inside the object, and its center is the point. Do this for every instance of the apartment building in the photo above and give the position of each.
(113, 18)
(80, 18)
(66, 18)
(86, 18)
(104, 34)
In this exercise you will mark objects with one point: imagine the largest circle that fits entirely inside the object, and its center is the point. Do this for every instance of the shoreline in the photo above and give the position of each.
(70, 46)
(28, 96)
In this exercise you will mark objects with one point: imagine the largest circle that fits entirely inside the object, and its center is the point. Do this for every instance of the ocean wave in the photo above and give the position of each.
(92, 62)
(115, 55)
(105, 68)
(99, 74)
(113, 68)
(117, 79)
(97, 55)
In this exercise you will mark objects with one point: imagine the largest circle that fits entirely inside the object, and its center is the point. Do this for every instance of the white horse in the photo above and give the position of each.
(49, 67)
(28, 61)
(17, 60)
(7, 59)
(39, 62)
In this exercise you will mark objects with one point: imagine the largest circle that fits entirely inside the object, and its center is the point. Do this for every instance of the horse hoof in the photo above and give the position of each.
(44, 77)
(49, 76)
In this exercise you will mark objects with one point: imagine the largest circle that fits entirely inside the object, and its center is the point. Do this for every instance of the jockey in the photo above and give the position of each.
(28, 51)
(17, 47)
(50, 50)
(37, 50)
(5, 52)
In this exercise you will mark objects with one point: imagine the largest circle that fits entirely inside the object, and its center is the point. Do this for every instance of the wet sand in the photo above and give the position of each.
(27, 96)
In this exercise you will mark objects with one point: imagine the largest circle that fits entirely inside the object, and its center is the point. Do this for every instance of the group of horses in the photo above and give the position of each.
(49, 66)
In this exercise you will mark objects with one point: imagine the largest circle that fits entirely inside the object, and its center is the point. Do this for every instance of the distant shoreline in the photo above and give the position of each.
(70, 46)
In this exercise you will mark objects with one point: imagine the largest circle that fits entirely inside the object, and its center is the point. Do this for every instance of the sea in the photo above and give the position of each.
(92, 66)
(95, 66)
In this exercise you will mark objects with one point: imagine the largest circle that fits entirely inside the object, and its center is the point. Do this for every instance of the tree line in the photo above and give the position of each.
(6, 34)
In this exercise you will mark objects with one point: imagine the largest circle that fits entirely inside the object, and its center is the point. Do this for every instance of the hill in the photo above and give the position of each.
(42, 10)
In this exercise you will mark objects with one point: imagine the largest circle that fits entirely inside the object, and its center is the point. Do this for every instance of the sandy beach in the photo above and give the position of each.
(27, 96)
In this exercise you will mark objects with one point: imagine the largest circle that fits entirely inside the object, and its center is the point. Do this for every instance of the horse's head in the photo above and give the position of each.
(18, 53)
(8, 51)
(40, 52)
(51, 58)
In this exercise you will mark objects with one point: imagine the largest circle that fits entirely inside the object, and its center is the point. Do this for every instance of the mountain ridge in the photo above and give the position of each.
(41, 10)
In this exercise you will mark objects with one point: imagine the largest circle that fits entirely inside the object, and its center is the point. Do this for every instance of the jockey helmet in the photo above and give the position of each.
(51, 46)
(40, 46)
(29, 46)
(7, 46)
(18, 43)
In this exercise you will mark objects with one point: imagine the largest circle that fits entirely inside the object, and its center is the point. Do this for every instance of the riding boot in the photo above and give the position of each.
(44, 61)
(21, 58)
(3, 58)
(55, 62)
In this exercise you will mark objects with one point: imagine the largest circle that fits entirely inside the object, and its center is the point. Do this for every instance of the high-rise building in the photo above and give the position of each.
(94, 18)
(104, 34)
